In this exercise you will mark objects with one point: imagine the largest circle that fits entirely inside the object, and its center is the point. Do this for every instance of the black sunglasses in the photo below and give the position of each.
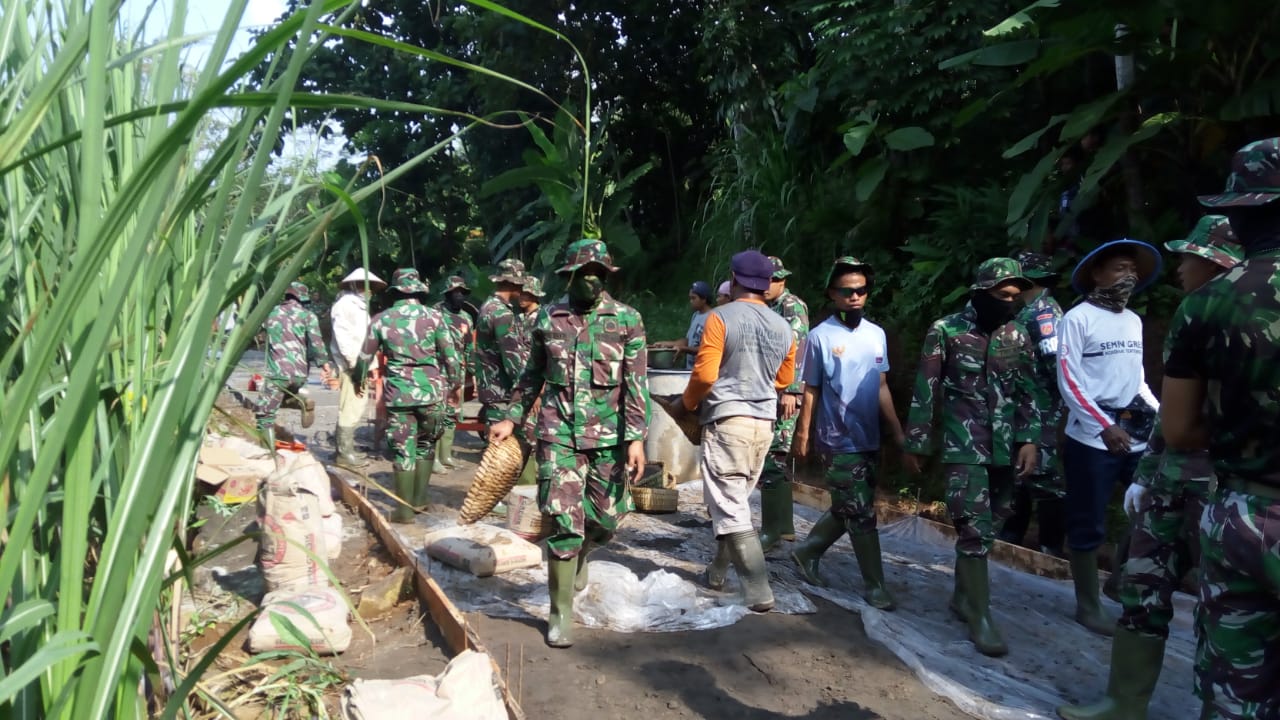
(848, 292)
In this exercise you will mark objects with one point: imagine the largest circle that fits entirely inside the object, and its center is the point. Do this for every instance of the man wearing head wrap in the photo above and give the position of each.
(722, 294)
(1222, 391)
(976, 373)
(294, 345)
(1110, 409)
(700, 303)
(349, 316)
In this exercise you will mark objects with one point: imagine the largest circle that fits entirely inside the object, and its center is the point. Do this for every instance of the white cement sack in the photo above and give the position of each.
(332, 526)
(328, 634)
(304, 472)
(242, 447)
(466, 690)
(291, 520)
(482, 550)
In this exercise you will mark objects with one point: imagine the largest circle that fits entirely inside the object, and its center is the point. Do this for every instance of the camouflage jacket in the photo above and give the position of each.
(983, 386)
(422, 361)
(293, 341)
(461, 331)
(796, 313)
(1161, 467)
(1226, 334)
(1040, 319)
(499, 357)
(591, 372)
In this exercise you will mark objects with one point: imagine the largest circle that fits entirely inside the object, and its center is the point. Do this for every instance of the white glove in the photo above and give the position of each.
(1136, 499)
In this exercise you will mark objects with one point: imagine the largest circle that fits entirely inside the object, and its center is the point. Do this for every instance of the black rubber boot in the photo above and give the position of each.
(1136, 661)
(1089, 612)
(976, 599)
(560, 577)
(866, 547)
(826, 531)
(404, 486)
(718, 569)
(748, 560)
(1014, 530)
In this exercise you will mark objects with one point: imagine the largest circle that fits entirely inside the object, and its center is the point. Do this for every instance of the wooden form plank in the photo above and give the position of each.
(458, 633)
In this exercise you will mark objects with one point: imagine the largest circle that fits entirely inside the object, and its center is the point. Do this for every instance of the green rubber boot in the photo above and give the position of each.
(959, 605)
(976, 598)
(866, 546)
(718, 570)
(1136, 661)
(560, 578)
(529, 475)
(776, 516)
(422, 481)
(826, 531)
(345, 443)
(1111, 588)
(596, 539)
(405, 484)
(444, 448)
(748, 560)
(1089, 612)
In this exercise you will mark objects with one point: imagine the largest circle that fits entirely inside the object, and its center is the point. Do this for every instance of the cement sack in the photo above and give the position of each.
(332, 525)
(482, 550)
(326, 630)
(293, 540)
(466, 690)
(243, 448)
(304, 472)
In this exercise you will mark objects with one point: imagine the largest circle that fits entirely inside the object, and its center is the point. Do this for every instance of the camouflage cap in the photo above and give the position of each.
(997, 271)
(533, 286)
(298, 291)
(1213, 240)
(585, 252)
(406, 280)
(780, 271)
(455, 282)
(1035, 265)
(510, 270)
(850, 262)
(1255, 176)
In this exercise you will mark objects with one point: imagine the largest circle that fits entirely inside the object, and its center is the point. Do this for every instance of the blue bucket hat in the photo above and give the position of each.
(1148, 258)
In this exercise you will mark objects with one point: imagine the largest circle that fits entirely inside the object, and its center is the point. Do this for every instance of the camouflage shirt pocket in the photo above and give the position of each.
(606, 360)
(559, 348)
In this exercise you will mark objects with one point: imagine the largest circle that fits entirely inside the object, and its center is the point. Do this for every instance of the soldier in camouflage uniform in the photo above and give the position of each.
(588, 364)
(1222, 385)
(294, 344)
(1044, 488)
(461, 330)
(776, 508)
(1166, 500)
(423, 374)
(500, 357)
(976, 370)
(529, 304)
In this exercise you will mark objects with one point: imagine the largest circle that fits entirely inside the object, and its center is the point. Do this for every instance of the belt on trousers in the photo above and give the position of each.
(1250, 487)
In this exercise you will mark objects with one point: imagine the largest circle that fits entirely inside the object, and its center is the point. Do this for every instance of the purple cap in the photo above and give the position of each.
(752, 269)
(724, 288)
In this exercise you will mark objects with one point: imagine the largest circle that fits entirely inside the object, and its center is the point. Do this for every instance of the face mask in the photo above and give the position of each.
(851, 318)
(585, 290)
(1115, 297)
(453, 301)
(992, 311)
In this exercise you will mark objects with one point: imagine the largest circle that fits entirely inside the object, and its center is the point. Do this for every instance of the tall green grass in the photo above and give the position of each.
(126, 230)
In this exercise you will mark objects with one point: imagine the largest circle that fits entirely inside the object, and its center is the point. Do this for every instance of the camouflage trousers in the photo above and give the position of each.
(976, 496)
(412, 433)
(1047, 481)
(582, 491)
(851, 479)
(272, 395)
(452, 414)
(776, 469)
(1238, 663)
(1164, 546)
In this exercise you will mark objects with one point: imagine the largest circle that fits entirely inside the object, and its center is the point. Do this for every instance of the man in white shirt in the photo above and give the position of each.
(1110, 408)
(350, 317)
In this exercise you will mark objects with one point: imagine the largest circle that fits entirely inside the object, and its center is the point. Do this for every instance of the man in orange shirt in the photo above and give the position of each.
(747, 355)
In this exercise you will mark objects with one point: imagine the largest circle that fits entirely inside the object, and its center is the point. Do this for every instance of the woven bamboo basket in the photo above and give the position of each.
(499, 469)
(687, 422)
(655, 500)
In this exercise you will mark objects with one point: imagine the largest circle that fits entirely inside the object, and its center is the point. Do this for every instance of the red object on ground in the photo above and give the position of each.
(254, 383)
(294, 446)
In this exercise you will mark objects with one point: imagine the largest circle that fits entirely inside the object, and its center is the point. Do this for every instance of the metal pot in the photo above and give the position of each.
(662, 358)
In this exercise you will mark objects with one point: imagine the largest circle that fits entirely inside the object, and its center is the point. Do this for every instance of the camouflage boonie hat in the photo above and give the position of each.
(298, 291)
(997, 271)
(510, 270)
(850, 262)
(533, 286)
(1035, 265)
(780, 271)
(455, 282)
(1213, 240)
(406, 280)
(1255, 176)
(585, 252)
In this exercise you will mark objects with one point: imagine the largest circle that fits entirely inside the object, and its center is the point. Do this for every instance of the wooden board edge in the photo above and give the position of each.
(458, 634)
(1015, 556)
